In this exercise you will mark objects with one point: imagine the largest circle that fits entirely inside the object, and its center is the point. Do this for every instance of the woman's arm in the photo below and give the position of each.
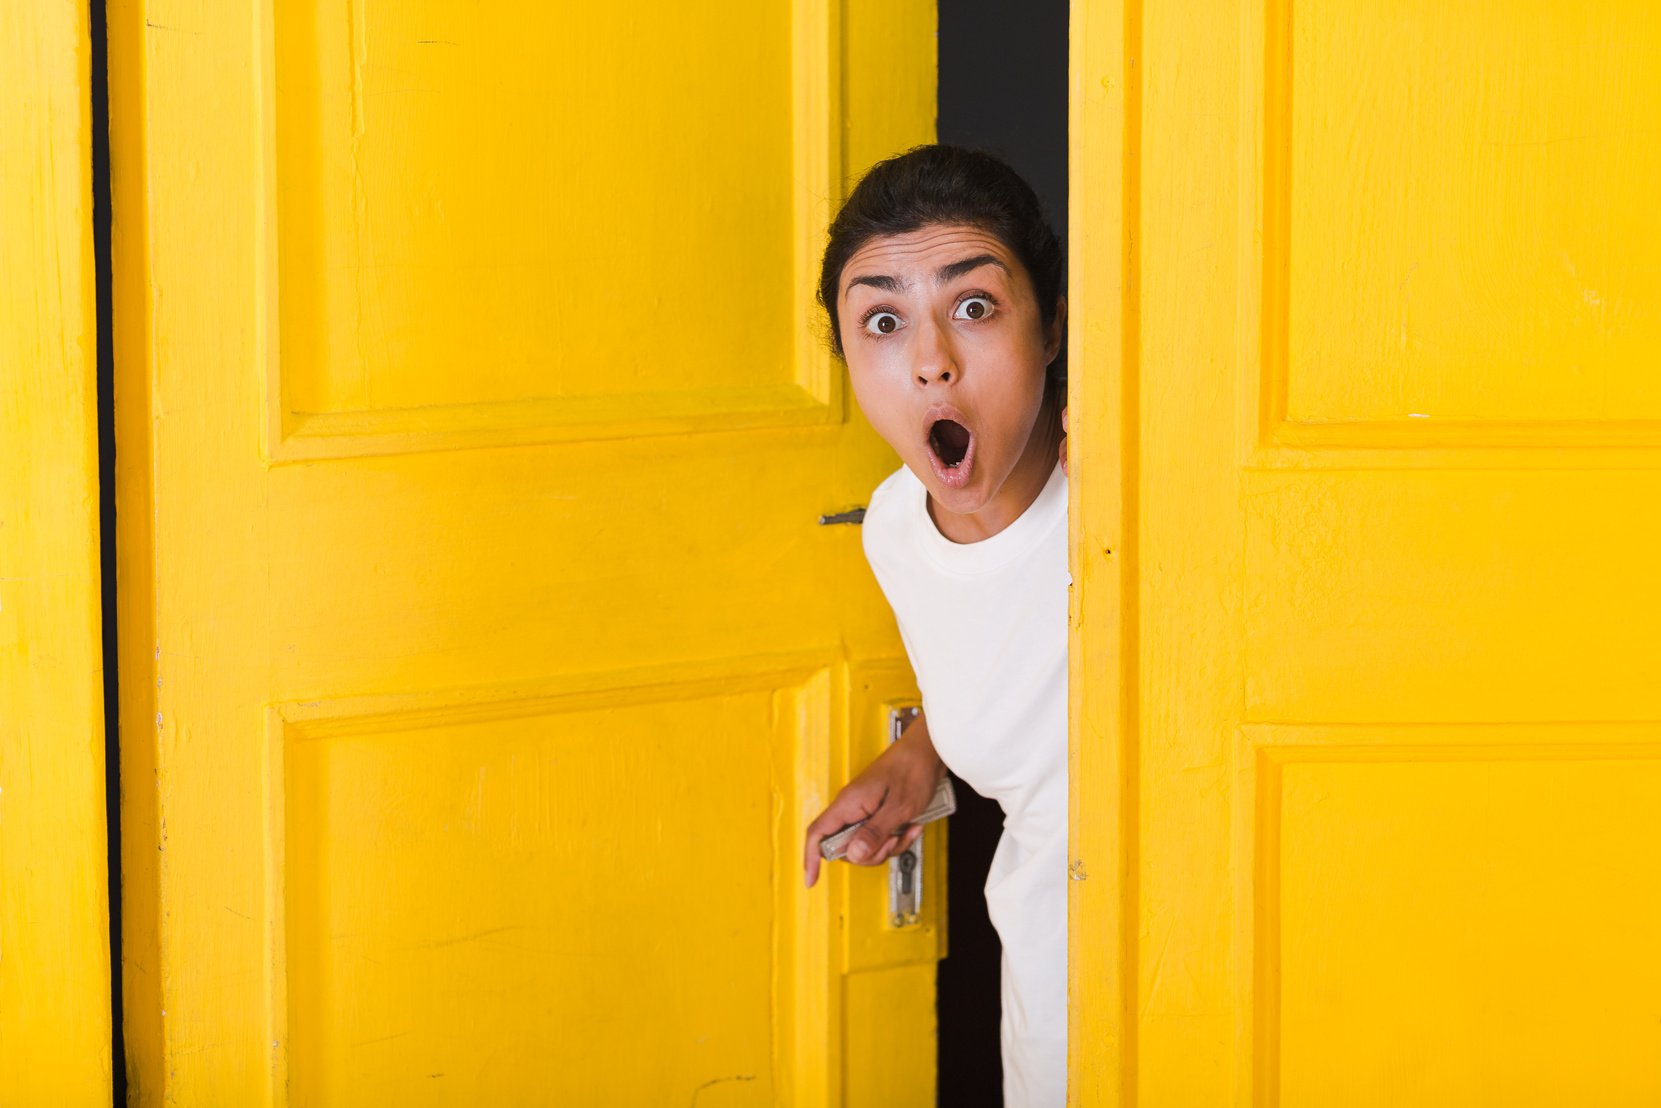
(891, 791)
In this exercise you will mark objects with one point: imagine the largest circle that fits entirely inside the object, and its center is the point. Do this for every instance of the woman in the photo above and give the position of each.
(942, 281)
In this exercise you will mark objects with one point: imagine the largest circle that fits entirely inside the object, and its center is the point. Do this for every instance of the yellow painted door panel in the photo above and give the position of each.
(487, 654)
(1367, 694)
(54, 910)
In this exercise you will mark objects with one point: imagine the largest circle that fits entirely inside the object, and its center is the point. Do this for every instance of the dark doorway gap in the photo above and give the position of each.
(105, 359)
(1003, 88)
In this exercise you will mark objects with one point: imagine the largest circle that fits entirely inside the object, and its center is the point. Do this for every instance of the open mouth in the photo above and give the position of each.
(951, 448)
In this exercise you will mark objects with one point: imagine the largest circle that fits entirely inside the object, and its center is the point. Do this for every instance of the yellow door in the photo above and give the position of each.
(1367, 462)
(486, 654)
(54, 910)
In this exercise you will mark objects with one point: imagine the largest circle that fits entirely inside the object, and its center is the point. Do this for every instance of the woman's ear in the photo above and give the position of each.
(1057, 328)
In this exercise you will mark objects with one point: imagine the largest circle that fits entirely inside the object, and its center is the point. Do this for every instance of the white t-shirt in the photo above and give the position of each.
(985, 626)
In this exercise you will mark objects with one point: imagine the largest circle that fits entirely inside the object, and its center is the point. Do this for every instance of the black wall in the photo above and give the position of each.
(1003, 88)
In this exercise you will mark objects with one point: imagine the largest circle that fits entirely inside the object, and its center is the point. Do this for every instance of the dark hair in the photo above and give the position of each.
(945, 184)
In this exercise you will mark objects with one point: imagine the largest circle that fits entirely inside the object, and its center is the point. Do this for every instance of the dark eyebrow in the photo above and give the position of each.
(886, 284)
(946, 273)
(957, 269)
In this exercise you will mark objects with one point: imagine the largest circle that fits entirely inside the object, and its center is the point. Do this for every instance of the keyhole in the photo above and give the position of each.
(908, 864)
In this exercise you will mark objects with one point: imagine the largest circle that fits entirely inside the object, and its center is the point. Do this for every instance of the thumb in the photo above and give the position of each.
(868, 842)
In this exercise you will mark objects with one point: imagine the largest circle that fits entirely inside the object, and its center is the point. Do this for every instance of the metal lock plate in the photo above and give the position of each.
(905, 887)
(905, 871)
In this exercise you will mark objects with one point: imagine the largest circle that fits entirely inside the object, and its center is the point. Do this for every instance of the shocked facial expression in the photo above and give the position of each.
(947, 350)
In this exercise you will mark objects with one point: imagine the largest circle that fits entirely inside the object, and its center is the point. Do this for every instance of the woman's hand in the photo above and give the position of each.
(892, 790)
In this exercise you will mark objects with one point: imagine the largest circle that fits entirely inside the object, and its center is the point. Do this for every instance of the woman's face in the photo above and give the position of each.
(947, 351)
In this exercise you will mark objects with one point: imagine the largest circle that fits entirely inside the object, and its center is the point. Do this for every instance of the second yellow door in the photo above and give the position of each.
(1367, 770)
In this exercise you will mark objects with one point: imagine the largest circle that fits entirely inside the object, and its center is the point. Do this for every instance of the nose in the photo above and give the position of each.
(933, 359)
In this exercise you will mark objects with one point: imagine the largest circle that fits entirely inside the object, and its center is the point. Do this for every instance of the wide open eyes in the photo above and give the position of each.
(971, 309)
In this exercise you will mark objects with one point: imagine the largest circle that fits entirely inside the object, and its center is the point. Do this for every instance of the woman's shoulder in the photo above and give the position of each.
(893, 499)
(891, 509)
(893, 488)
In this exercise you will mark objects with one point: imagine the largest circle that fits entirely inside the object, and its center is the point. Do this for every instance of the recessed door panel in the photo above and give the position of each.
(1450, 247)
(440, 860)
(1500, 939)
(450, 192)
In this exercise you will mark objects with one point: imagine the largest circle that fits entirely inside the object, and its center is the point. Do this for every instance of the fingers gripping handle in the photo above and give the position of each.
(943, 804)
